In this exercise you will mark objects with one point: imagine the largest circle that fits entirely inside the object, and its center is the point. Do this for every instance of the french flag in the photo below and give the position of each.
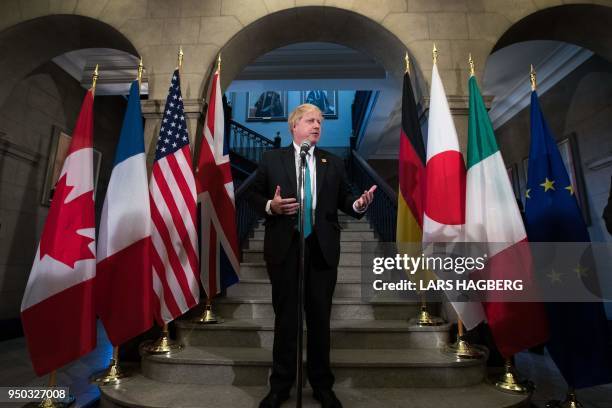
(123, 285)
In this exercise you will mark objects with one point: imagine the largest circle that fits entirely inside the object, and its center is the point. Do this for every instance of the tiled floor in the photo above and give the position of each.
(541, 370)
(16, 370)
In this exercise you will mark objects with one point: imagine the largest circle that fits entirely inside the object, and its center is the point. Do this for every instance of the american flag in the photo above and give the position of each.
(172, 189)
(219, 246)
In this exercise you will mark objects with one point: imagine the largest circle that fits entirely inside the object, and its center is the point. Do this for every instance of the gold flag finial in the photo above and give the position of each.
(180, 57)
(471, 62)
(94, 79)
(407, 59)
(435, 54)
(532, 78)
(140, 69)
(219, 63)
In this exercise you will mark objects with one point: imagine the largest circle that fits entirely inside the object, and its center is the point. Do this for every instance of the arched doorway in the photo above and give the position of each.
(30, 44)
(39, 103)
(338, 26)
(571, 48)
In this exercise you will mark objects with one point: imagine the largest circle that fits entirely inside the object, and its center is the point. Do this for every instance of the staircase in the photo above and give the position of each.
(378, 358)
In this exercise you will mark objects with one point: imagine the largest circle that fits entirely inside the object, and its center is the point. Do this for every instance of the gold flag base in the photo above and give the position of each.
(163, 345)
(462, 349)
(509, 383)
(51, 403)
(570, 401)
(426, 319)
(208, 317)
(112, 376)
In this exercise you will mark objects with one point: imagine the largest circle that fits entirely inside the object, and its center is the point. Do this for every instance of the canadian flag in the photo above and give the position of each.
(57, 310)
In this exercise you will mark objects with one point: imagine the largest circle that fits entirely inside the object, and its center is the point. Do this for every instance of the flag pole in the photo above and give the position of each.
(164, 344)
(209, 316)
(471, 63)
(532, 78)
(424, 318)
(461, 348)
(570, 401)
(140, 69)
(509, 382)
(49, 402)
(94, 80)
(180, 58)
(434, 54)
(114, 374)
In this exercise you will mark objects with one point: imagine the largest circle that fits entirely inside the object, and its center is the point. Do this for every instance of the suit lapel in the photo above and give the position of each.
(289, 165)
(321, 169)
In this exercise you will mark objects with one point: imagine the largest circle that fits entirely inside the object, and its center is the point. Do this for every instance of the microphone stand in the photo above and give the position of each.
(300, 294)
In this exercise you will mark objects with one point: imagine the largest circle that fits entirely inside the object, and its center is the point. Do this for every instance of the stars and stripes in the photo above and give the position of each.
(172, 189)
(219, 246)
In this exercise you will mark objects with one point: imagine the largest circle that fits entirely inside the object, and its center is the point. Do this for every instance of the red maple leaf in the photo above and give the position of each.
(60, 239)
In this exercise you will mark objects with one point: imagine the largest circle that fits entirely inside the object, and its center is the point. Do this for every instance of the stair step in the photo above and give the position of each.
(257, 270)
(345, 334)
(352, 368)
(345, 226)
(345, 245)
(345, 288)
(342, 308)
(142, 392)
(345, 235)
(255, 256)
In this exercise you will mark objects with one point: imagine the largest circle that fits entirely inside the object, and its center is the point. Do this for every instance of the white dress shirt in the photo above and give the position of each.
(312, 167)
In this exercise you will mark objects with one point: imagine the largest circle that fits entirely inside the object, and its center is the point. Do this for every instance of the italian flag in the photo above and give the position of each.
(444, 215)
(492, 217)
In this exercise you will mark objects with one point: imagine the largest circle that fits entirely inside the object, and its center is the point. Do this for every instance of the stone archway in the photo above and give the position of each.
(29, 44)
(576, 106)
(316, 23)
(585, 25)
(339, 26)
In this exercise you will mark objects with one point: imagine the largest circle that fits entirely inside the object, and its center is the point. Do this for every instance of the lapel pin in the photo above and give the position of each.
(323, 160)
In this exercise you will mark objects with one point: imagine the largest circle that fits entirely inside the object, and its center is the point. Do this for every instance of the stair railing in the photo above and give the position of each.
(382, 213)
(246, 217)
(250, 144)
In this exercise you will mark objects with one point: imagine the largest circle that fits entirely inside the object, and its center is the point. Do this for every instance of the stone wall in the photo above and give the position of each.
(47, 98)
(156, 28)
(582, 104)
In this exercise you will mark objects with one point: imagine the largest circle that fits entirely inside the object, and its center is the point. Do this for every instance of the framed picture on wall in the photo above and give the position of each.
(324, 99)
(514, 181)
(58, 150)
(568, 147)
(267, 106)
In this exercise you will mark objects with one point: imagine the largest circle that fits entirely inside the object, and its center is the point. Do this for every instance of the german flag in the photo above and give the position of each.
(411, 171)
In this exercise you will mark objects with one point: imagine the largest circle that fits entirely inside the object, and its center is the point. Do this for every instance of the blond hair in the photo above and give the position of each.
(300, 111)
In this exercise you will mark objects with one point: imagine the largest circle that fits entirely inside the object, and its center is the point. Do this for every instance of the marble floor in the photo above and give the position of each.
(16, 370)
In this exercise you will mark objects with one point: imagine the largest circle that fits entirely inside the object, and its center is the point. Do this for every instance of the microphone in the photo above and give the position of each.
(305, 147)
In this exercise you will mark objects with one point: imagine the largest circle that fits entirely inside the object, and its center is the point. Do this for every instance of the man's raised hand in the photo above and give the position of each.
(279, 205)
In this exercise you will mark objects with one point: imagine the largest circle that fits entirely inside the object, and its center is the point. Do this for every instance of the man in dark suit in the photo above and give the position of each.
(273, 194)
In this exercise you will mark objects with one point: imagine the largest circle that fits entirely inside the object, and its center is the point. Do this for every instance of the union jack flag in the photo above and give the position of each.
(219, 239)
(172, 190)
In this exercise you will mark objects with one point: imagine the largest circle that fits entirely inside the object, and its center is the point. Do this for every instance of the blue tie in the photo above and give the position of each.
(307, 203)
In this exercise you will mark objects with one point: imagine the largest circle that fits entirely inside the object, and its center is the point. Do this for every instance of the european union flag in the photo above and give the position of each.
(578, 331)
